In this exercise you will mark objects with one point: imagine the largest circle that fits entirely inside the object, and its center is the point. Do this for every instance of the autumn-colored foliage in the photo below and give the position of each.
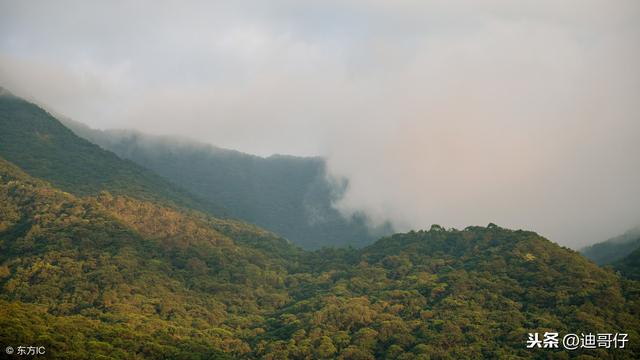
(112, 276)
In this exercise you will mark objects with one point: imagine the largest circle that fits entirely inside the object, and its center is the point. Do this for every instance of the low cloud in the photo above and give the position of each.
(452, 112)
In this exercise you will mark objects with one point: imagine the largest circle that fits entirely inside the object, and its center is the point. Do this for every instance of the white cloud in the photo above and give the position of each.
(453, 112)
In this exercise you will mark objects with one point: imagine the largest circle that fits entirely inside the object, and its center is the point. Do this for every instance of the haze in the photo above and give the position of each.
(459, 113)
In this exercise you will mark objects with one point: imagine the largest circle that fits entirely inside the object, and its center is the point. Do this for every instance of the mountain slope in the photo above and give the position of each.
(465, 294)
(34, 140)
(289, 195)
(614, 249)
(118, 277)
(629, 266)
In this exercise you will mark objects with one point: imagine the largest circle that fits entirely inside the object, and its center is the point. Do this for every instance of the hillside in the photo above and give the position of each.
(33, 139)
(451, 294)
(114, 276)
(289, 195)
(629, 266)
(614, 249)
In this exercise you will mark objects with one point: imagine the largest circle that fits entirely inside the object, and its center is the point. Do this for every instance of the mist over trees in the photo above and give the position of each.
(127, 265)
(292, 196)
(116, 276)
(445, 160)
(613, 249)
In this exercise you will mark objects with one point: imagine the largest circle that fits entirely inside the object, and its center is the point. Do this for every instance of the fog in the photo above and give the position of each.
(525, 114)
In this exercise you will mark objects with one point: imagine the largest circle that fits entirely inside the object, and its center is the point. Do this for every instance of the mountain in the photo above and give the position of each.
(102, 258)
(629, 266)
(112, 276)
(118, 277)
(614, 249)
(289, 195)
(33, 139)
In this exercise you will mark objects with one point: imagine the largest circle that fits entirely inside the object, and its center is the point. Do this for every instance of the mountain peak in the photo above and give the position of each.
(5, 92)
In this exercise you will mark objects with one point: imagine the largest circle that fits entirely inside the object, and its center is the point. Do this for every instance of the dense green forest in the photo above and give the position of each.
(621, 253)
(614, 249)
(629, 266)
(289, 195)
(33, 139)
(102, 258)
(112, 276)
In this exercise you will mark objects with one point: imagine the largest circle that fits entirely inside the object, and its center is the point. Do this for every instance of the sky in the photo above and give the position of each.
(458, 112)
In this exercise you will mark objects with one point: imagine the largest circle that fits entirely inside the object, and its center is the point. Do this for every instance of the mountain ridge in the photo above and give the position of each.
(138, 279)
(107, 272)
(614, 249)
(292, 196)
(36, 141)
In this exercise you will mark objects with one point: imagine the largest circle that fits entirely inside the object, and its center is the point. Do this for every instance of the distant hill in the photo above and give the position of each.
(289, 195)
(111, 276)
(33, 139)
(614, 249)
(629, 266)
(123, 265)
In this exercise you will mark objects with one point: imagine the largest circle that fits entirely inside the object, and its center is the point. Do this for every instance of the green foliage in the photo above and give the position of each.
(462, 295)
(38, 143)
(285, 194)
(112, 276)
(614, 249)
(630, 265)
(81, 337)
(116, 274)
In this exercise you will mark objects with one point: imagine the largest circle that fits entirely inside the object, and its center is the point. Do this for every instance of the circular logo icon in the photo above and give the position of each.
(9, 350)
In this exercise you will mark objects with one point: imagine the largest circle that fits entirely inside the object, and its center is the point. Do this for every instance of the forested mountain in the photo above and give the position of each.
(289, 195)
(33, 139)
(614, 249)
(116, 276)
(111, 276)
(629, 266)
(102, 258)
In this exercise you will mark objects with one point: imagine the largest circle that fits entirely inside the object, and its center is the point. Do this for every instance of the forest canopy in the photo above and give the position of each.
(118, 277)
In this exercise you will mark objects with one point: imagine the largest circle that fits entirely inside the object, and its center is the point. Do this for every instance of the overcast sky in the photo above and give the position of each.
(522, 113)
